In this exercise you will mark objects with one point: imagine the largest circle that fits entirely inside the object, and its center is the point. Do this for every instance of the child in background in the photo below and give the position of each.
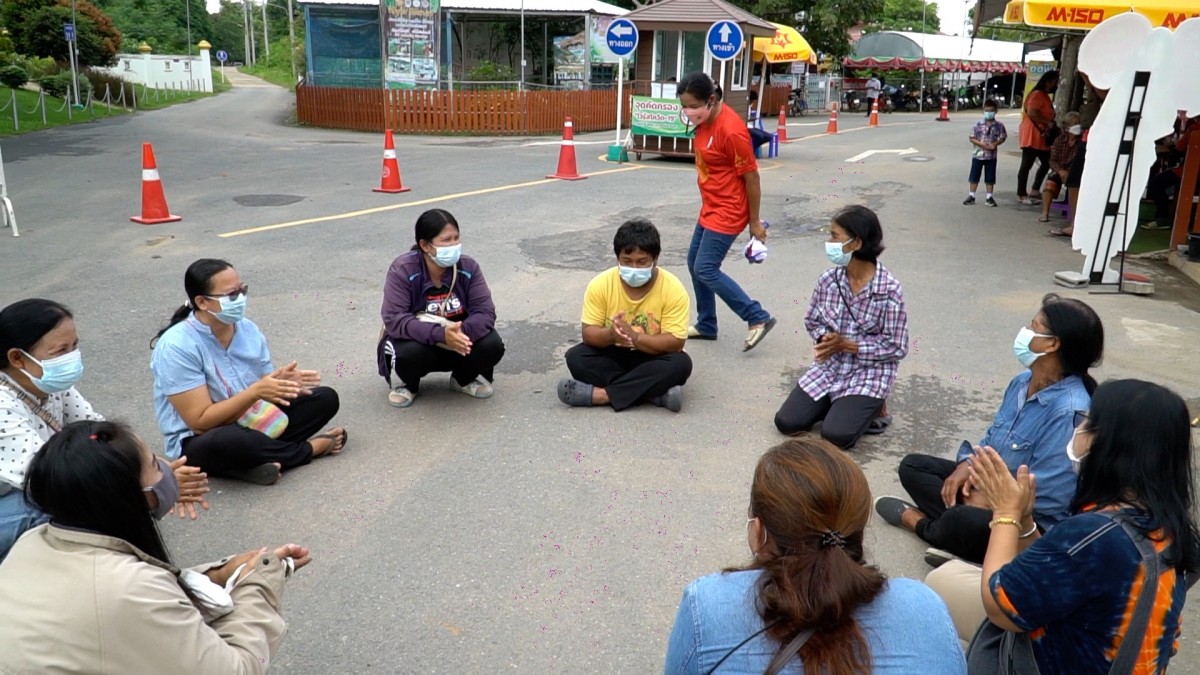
(987, 136)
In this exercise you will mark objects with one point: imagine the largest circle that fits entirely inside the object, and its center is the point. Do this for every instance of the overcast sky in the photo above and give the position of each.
(952, 13)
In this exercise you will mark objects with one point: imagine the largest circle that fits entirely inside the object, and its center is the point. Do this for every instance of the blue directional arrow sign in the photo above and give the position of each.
(222, 55)
(622, 37)
(725, 40)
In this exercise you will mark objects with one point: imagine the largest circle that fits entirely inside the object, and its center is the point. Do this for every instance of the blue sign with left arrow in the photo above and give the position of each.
(622, 37)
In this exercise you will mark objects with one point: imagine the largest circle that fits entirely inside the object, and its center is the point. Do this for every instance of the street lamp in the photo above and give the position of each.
(921, 93)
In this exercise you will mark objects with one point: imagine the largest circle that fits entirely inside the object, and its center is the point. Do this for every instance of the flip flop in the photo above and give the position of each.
(1043, 220)
(575, 393)
(345, 436)
(1058, 232)
(756, 335)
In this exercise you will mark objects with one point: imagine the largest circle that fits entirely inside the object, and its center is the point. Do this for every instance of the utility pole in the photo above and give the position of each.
(189, 24)
(74, 54)
(246, 34)
(253, 43)
(292, 40)
(266, 38)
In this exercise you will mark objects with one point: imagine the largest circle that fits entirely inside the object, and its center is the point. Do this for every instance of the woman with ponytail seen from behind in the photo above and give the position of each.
(808, 602)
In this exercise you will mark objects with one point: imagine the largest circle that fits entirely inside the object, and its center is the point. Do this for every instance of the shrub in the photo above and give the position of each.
(99, 80)
(55, 85)
(489, 71)
(13, 77)
(39, 67)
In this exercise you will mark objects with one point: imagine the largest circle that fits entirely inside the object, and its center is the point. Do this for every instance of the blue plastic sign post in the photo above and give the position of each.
(222, 55)
(725, 40)
(622, 37)
(69, 31)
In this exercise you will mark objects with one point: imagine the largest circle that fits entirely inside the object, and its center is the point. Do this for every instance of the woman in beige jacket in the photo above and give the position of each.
(94, 591)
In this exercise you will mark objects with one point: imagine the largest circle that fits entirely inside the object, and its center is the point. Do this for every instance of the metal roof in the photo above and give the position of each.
(700, 12)
(502, 6)
(888, 44)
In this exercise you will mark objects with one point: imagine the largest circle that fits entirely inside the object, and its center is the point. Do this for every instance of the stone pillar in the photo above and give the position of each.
(202, 69)
(147, 76)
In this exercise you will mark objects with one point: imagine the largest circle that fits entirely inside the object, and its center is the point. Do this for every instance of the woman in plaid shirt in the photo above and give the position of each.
(859, 326)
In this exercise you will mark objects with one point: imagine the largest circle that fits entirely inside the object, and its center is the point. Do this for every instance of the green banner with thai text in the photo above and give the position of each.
(658, 117)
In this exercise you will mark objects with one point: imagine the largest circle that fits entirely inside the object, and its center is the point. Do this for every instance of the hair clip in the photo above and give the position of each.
(833, 538)
(93, 437)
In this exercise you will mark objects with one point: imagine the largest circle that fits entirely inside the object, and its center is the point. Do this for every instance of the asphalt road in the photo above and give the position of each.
(516, 534)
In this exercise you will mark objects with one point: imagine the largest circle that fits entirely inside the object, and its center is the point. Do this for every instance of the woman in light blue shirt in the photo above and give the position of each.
(1041, 408)
(809, 602)
(212, 375)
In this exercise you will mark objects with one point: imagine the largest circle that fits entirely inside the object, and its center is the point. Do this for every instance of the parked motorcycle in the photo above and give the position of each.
(797, 103)
(851, 102)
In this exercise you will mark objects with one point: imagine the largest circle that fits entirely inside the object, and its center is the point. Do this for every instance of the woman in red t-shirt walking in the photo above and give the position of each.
(729, 195)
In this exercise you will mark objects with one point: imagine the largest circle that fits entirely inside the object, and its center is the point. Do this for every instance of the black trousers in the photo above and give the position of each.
(629, 376)
(235, 448)
(843, 421)
(1028, 157)
(962, 530)
(1161, 188)
(414, 360)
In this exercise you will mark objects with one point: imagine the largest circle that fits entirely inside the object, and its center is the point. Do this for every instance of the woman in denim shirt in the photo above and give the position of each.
(1039, 413)
(809, 591)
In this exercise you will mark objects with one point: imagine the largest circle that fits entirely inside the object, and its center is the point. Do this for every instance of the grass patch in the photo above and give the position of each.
(274, 75)
(29, 109)
(29, 112)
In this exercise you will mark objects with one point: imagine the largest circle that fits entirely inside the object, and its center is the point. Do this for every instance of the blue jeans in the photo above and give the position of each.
(16, 517)
(705, 255)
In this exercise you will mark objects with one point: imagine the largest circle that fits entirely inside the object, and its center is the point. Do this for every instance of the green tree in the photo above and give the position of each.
(824, 23)
(163, 24)
(905, 15)
(36, 28)
(228, 30)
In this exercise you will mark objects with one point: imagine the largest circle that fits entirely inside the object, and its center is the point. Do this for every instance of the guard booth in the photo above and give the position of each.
(672, 43)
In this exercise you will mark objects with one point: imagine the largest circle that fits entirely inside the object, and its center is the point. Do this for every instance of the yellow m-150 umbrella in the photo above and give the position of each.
(1087, 14)
(785, 46)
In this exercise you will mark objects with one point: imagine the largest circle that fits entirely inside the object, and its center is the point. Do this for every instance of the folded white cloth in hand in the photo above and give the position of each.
(755, 251)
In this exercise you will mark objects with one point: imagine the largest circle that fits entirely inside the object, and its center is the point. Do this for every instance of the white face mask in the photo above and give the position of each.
(1075, 459)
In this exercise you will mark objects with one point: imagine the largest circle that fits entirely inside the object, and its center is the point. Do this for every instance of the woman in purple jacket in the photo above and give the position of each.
(438, 315)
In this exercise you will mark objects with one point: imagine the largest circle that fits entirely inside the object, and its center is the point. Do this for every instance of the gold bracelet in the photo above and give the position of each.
(1005, 521)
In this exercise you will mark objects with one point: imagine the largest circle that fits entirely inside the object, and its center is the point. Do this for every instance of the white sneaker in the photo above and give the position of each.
(477, 389)
(401, 397)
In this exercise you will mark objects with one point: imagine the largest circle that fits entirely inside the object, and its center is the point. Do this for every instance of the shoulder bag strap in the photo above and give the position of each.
(33, 404)
(1131, 643)
(781, 659)
(740, 645)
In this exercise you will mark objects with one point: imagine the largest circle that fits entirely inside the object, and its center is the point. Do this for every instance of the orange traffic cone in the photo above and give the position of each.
(874, 122)
(154, 202)
(781, 130)
(566, 154)
(944, 116)
(391, 168)
(832, 127)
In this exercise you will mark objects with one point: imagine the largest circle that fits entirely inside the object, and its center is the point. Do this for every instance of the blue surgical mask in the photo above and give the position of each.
(59, 373)
(1021, 346)
(447, 256)
(834, 250)
(635, 276)
(232, 311)
(989, 115)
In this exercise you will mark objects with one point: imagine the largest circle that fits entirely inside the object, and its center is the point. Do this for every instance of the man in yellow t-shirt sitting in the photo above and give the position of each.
(635, 322)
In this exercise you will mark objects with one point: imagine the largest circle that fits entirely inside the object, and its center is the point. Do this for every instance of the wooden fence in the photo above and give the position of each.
(490, 112)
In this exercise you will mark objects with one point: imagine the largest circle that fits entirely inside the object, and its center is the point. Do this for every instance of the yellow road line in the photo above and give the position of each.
(422, 202)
